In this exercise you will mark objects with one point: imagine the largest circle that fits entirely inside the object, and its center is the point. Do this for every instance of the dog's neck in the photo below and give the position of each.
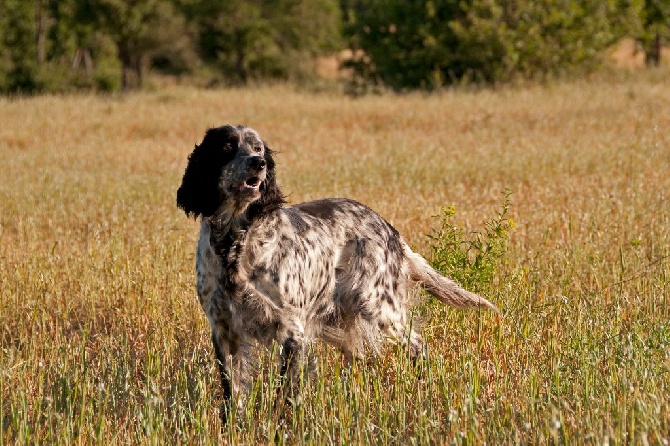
(230, 214)
(231, 220)
(228, 224)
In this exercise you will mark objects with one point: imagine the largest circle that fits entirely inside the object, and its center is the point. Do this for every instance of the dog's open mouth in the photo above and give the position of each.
(252, 183)
(249, 189)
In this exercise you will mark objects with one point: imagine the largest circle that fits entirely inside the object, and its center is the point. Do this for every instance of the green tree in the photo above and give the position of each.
(427, 43)
(407, 44)
(252, 39)
(18, 53)
(139, 29)
(74, 43)
(655, 29)
(544, 38)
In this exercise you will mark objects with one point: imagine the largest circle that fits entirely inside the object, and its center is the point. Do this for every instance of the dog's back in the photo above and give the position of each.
(332, 269)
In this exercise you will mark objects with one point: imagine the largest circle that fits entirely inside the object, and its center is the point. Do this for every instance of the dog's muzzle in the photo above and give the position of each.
(256, 163)
(249, 188)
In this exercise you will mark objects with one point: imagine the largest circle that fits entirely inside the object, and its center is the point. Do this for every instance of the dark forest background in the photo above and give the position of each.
(110, 45)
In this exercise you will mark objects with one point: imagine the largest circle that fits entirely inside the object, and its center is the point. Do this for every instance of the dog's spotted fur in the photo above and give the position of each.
(331, 269)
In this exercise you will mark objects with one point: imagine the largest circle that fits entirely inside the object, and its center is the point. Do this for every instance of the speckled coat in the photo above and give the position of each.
(329, 269)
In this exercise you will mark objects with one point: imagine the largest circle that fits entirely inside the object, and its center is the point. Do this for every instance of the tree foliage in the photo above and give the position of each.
(18, 52)
(429, 43)
(58, 45)
(61, 44)
(655, 28)
(251, 39)
(139, 30)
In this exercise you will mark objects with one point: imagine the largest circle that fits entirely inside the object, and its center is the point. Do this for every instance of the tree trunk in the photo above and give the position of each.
(126, 69)
(41, 41)
(83, 55)
(653, 56)
(138, 70)
(131, 67)
(88, 61)
(240, 57)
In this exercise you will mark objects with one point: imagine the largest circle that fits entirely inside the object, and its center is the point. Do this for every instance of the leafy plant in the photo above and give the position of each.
(471, 259)
(427, 44)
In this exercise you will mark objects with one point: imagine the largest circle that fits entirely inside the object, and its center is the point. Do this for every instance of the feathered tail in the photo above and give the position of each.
(444, 289)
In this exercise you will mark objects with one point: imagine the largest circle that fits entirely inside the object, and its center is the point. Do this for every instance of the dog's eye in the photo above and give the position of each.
(227, 147)
(258, 149)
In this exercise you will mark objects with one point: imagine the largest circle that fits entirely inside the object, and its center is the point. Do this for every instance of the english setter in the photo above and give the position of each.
(331, 269)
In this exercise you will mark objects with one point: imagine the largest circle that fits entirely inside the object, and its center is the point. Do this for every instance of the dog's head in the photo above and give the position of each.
(231, 171)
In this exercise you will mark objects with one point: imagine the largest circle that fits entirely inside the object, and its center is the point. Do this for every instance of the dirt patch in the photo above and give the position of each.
(331, 66)
(628, 53)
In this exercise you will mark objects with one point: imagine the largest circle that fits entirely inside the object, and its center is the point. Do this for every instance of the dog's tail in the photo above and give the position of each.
(444, 289)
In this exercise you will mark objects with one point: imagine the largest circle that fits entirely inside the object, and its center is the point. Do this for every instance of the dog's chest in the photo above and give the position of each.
(277, 269)
(235, 286)
(208, 270)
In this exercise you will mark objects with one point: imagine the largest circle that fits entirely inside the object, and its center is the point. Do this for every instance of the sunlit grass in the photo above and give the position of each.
(103, 340)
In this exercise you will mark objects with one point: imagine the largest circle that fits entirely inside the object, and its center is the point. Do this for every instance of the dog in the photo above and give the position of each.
(330, 269)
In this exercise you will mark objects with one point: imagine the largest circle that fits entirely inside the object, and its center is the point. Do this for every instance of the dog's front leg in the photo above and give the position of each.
(232, 368)
(292, 356)
(222, 351)
(295, 364)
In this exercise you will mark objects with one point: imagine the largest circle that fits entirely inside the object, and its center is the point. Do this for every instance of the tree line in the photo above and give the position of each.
(106, 45)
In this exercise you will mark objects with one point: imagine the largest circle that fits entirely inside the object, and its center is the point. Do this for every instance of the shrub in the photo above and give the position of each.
(428, 44)
(471, 259)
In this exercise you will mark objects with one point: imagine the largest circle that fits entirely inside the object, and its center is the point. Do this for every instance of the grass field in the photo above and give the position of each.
(103, 340)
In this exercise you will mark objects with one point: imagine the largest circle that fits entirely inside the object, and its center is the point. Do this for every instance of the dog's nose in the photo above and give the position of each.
(257, 163)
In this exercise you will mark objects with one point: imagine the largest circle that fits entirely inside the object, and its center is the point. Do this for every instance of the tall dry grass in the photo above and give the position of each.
(103, 340)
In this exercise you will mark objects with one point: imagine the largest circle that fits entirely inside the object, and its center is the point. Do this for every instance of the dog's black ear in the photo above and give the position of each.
(199, 193)
(271, 196)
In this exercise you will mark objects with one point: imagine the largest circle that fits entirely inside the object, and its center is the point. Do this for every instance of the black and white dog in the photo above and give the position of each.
(331, 269)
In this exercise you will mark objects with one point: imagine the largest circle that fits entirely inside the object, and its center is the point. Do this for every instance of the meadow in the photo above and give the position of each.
(103, 341)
